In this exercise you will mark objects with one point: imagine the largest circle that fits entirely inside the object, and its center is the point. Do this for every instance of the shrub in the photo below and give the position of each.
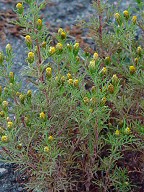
(72, 129)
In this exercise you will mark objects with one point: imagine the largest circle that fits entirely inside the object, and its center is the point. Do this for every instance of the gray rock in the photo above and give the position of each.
(3, 172)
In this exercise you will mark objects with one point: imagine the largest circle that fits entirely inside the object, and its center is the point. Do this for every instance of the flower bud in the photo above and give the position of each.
(44, 43)
(1, 58)
(136, 60)
(29, 93)
(62, 79)
(48, 72)
(21, 98)
(46, 149)
(132, 69)
(70, 81)
(30, 57)
(39, 24)
(76, 82)
(5, 104)
(139, 51)
(9, 124)
(117, 132)
(50, 138)
(60, 30)
(115, 79)
(92, 66)
(111, 88)
(134, 19)
(20, 8)
(104, 71)
(11, 77)
(2, 114)
(59, 46)
(107, 60)
(126, 14)
(95, 56)
(28, 41)
(52, 50)
(86, 100)
(19, 146)
(8, 49)
(118, 18)
(63, 35)
(127, 130)
(42, 115)
(103, 100)
(76, 48)
(69, 76)
(4, 138)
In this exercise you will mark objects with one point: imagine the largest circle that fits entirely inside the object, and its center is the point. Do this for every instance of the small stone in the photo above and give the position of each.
(20, 189)
(3, 171)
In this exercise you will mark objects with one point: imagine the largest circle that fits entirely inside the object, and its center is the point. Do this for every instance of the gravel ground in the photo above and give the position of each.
(59, 13)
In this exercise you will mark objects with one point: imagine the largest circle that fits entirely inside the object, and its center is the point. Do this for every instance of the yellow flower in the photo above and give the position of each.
(92, 66)
(11, 76)
(46, 149)
(134, 19)
(69, 76)
(39, 24)
(29, 93)
(60, 30)
(70, 81)
(126, 14)
(10, 124)
(1, 58)
(95, 56)
(86, 100)
(52, 50)
(117, 132)
(104, 71)
(117, 16)
(50, 138)
(76, 82)
(19, 6)
(5, 104)
(111, 88)
(44, 43)
(8, 48)
(132, 69)
(4, 139)
(76, 46)
(91, 110)
(30, 57)
(48, 72)
(59, 46)
(2, 114)
(63, 35)
(136, 60)
(21, 98)
(28, 38)
(115, 79)
(127, 130)
(139, 51)
(107, 60)
(42, 115)
(63, 79)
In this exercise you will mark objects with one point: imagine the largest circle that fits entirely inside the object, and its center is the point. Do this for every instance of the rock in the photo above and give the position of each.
(3, 172)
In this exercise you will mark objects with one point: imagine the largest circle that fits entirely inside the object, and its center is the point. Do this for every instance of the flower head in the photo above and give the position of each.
(46, 149)
(8, 48)
(95, 56)
(76, 82)
(29, 93)
(69, 76)
(50, 138)
(30, 57)
(10, 124)
(132, 69)
(48, 72)
(5, 104)
(126, 14)
(76, 46)
(86, 100)
(111, 88)
(44, 43)
(20, 8)
(115, 79)
(104, 71)
(127, 130)
(39, 24)
(4, 138)
(134, 19)
(42, 115)
(59, 46)
(117, 132)
(107, 60)
(92, 66)
(52, 50)
(139, 50)
(70, 81)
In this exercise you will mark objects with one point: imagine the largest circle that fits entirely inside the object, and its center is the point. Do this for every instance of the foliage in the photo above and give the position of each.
(85, 111)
